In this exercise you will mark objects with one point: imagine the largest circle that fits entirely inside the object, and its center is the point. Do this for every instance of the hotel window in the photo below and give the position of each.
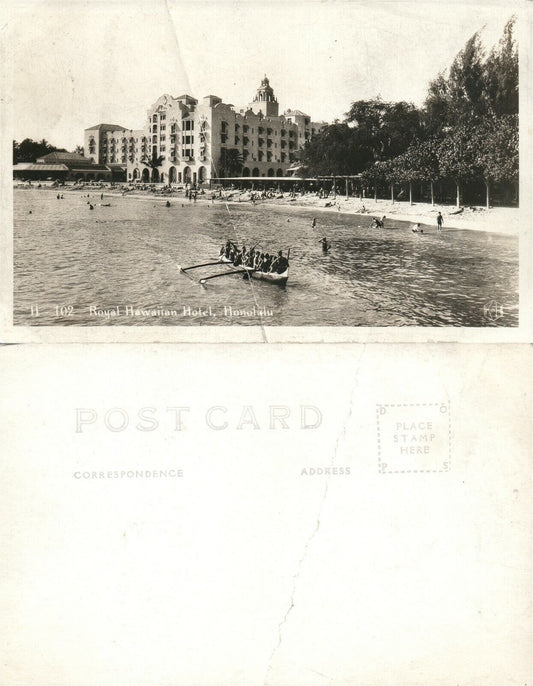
(154, 118)
(163, 127)
(162, 138)
(188, 125)
(245, 128)
(154, 128)
(163, 116)
(154, 139)
(162, 148)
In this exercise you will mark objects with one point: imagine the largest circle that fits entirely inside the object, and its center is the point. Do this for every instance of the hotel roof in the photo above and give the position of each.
(106, 127)
(64, 157)
(295, 112)
(30, 166)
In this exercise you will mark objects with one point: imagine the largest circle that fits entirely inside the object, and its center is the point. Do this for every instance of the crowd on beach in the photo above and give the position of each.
(500, 219)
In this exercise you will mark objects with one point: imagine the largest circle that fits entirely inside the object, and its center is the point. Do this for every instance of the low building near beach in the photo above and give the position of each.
(185, 140)
(63, 166)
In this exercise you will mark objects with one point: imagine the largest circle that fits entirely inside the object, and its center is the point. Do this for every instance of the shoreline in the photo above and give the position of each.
(501, 220)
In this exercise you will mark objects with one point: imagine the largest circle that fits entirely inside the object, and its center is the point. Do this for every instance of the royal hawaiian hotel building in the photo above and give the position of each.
(187, 137)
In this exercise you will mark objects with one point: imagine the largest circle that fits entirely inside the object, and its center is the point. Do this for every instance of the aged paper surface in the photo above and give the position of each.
(242, 514)
(105, 264)
(360, 517)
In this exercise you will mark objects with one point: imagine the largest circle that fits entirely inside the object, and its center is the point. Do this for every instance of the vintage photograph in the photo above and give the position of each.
(243, 164)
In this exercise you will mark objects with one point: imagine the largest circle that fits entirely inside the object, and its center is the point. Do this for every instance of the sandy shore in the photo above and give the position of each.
(504, 220)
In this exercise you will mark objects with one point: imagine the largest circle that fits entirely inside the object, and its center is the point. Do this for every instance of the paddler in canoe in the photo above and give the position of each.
(280, 263)
(254, 259)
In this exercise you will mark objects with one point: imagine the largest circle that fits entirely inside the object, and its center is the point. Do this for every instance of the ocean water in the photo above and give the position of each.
(118, 265)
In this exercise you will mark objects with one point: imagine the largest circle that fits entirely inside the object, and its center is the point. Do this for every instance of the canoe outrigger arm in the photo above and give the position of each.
(197, 266)
(216, 276)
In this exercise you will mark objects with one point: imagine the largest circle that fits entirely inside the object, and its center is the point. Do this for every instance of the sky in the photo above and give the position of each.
(84, 62)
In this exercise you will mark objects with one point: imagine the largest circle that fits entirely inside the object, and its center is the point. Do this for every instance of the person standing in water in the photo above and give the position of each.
(325, 245)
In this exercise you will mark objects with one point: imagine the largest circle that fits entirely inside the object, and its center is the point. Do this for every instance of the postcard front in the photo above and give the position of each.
(347, 173)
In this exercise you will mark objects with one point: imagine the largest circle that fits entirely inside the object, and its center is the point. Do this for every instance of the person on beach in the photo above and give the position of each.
(417, 229)
(314, 222)
(167, 204)
(378, 223)
(439, 221)
(325, 245)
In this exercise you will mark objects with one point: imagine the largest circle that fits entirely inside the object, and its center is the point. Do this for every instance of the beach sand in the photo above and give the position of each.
(504, 220)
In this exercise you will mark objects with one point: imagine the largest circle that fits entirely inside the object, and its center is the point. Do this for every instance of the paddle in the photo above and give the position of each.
(196, 266)
(217, 276)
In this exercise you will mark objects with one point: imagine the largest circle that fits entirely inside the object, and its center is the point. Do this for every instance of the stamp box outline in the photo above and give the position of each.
(381, 464)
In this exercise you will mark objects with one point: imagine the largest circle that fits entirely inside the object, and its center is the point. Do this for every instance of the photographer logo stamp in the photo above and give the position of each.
(413, 437)
(493, 310)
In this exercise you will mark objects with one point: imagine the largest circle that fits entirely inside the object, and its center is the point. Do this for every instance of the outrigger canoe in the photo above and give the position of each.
(247, 272)
(271, 277)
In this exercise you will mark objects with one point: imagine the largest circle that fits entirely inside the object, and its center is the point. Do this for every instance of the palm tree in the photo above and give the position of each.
(153, 162)
(231, 162)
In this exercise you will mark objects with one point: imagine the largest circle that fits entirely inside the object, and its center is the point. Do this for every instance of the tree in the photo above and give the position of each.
(374, 174)
(29, 150)
(231, 162)
(79, 150)
(459, 155)
(383, 130)
(153, 162)
(461, 97)
(421, 163)
(437, 106)
(404, 170)
(466, 84)
(497, 151)
(502, 73)
(333, 151)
